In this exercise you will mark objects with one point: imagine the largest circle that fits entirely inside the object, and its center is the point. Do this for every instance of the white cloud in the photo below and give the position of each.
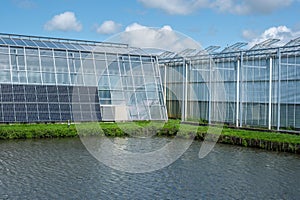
(64, 22)
(181, 7)
(109, 27)
(239, 7)
(163, 38)
(283, 33)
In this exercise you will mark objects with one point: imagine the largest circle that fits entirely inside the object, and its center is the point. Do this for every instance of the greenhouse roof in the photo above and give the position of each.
(61, 43)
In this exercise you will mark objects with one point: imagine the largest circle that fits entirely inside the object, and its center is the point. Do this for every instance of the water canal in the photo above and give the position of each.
(64, 169)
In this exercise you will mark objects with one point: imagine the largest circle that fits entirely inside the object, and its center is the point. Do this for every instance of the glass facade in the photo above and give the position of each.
(256, 87)
(53, 79)
(49, 80)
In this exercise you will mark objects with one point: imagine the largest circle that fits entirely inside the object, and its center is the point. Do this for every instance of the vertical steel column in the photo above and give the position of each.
(165, 84)
(237, 92)
(183, 92)
(279, 89)
(186, 91)
(270, 93)
(210, 91)
(240, 95)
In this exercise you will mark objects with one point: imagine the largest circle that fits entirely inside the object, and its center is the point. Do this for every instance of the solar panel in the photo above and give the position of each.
(60, 45)
(31, 107)
(55, 116)
(50, 44)
(53, 107)
(21, 117)
(2, 42)
(32, 116)
(42, 98)
(30, 43)
(8, 41)
(64, 107)
(19, 42)
(44, 116)
(40, 43)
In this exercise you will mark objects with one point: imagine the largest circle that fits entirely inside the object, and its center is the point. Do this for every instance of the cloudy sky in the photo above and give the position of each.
(215, 22)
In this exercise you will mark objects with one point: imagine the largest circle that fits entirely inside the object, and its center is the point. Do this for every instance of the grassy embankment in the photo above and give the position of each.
(260, 139)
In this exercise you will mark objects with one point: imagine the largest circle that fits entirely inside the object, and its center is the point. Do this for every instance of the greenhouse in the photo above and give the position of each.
(257, 87)
(58, 80)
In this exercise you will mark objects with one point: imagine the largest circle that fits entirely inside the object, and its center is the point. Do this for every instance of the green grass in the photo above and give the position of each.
(142, 128)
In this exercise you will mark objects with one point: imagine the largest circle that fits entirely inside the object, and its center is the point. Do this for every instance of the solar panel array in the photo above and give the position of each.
(35, 103)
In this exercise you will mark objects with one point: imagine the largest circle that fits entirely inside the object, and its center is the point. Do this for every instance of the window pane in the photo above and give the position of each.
(4, 61)
(61, 65)
(63, 78)
(33, 63)
(88, 66)
(49, 78)
(5, 77)
(34, 77)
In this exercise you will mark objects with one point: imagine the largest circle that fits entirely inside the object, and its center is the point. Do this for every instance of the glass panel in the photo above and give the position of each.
(50, 44)
(34, 77)
(117, 95)
(88, 66)
(100, 66)
(77, 79)
(48, 78)
(46, 52)
(3, 49)
(148, 69)
(85, 55)
(47, 64)
(61, 65)
(5, 77)
(111, 57)
(33, 63)
(63, 78)
(21, 62)
(60, 45)
(115, 82)
(103, 82)
(78, 47)
(19, 42)
(40, 43)
(125, 68)
(75, 65)
(8, 41)
(69, 46)
(29, 43)
(113, 68)
(99, 56)
(90, 80)
(60, 53)
(155, 112)
(13, 61)
(31, 51)
(73, 54)
(87, 47)
(1, 41)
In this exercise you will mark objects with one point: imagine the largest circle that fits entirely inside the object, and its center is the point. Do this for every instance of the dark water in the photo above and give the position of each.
(63, 169)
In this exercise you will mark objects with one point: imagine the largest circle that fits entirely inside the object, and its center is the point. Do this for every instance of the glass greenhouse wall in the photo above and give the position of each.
(53, 79)
(246, 88)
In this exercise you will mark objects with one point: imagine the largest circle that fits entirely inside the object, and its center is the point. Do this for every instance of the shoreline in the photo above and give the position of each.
(268, 140)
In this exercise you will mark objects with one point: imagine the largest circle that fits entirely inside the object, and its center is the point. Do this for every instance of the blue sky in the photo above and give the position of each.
(217, 22)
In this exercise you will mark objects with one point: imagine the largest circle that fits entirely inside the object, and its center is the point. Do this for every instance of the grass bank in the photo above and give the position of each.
(260, 139)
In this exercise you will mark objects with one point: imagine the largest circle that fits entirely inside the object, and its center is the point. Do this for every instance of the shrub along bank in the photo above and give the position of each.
(260, 139)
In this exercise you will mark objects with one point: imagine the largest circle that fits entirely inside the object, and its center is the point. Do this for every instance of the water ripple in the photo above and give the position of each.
(63, 169)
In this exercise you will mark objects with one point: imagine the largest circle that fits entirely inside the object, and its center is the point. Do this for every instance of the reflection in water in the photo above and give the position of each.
(63, 169)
